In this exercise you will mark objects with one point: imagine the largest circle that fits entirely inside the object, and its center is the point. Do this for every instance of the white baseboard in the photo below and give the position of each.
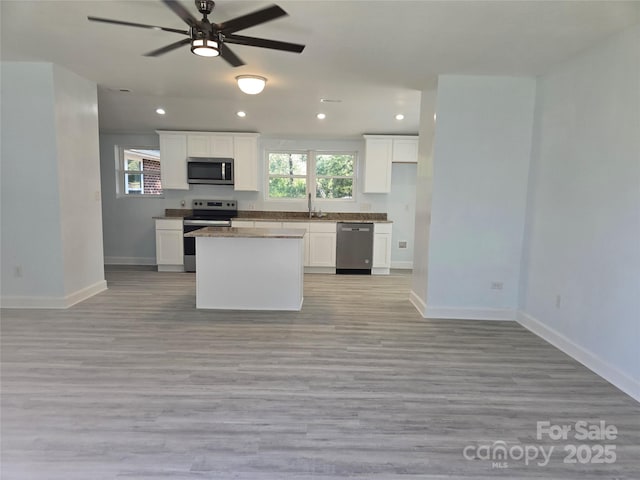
(129, 260)
(329, 270)
(171, 268)
(54, 302)
(402, 265)
(380, 271)
(464, 313)
(590, 360)
(417, 302)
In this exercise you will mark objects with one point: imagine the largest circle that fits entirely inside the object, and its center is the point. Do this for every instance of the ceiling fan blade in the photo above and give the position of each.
(168, 48)
(182, 12)
(141, 25)
(251, 19)
(264, 43)
(229, 56)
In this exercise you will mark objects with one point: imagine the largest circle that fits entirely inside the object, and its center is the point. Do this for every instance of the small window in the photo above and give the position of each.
(325, 175)
(287, 175)
(139, 172)
(334, 175)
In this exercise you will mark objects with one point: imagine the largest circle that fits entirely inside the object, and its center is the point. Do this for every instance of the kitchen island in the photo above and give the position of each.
(249, 268)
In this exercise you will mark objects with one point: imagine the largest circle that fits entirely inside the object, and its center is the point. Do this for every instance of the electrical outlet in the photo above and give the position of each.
(96, 195)
(558, 301)
(365, 207)
(496, 285)
(252, 206)
(17, 271)
(402, 244)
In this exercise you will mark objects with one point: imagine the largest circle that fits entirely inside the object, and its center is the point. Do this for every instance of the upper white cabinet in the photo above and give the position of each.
(380, 152)
(377, 165)
(245, 168)
(173, 160)
(176, 146)
(210, 145)
(405, 150)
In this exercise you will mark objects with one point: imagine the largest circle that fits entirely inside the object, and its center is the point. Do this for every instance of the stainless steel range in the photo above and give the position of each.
(206, 213)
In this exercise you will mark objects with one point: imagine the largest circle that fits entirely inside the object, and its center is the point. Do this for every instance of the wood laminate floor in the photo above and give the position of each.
(134, 383)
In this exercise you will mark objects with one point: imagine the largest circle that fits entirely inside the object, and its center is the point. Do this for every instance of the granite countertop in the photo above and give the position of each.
(271, 216)
(235, 232)
(328, 218)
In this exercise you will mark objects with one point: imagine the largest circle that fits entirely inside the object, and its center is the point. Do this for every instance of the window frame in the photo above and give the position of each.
(121, 172)
(311, 175)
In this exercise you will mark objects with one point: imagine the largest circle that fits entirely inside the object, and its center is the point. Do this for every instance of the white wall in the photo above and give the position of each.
(129, 235)
(76, 119)
(31, 242)
(481, 161)
(424, 190)
(583, 225)
(51, 224)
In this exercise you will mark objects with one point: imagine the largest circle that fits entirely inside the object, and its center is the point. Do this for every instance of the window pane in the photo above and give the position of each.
(287, 188)
(133, 183)
(288, 163)
(334, 188)
(131, 164)
(334, 165)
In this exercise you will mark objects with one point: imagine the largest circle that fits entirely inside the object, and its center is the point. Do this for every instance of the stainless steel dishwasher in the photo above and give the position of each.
(354, 248)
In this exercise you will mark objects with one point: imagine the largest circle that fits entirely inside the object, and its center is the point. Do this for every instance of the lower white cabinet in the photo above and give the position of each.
(305, 226)
(169, 245)
(322, 244)
(382, 248)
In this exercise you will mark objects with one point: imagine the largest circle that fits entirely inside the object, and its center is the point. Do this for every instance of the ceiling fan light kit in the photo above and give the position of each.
(251, 84)
(210, 39)
(205, 48)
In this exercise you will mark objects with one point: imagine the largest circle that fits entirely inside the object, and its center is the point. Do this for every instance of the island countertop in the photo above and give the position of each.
(240, 232)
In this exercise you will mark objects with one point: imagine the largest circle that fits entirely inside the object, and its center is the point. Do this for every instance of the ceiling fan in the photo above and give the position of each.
(210, 39)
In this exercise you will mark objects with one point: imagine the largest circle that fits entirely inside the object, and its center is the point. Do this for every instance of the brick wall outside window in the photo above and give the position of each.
(151, 170)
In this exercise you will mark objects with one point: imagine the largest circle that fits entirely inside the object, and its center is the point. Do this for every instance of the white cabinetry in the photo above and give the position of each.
(245, 154)
(209, 145)
(305, 226)
(382, 248)
(176, 146)
(380, 152)
(169, 245)
(377, 165)
(322, 244)
(405, 150)
(173, 160)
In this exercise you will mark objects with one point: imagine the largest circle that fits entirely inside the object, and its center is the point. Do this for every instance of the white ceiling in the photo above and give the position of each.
(375, 56)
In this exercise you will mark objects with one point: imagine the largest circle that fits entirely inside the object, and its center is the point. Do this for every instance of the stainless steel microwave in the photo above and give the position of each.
(212, 171)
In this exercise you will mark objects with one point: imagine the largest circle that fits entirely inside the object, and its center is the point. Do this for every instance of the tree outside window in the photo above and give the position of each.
(326, 175)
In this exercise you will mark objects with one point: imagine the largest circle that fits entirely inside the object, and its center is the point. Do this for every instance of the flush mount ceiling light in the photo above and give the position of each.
(321, 116)
(205, 47)
(251, 84)
(399, 116)
(160, 111)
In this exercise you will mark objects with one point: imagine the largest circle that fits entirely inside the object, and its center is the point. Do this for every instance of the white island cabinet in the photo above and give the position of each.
(249, 268)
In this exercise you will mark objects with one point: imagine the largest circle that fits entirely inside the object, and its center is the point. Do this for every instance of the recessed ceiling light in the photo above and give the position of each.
(321, 116)
(160, 111)
(330, 100)
(399, 116)
(241, 114)
(434, 117)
